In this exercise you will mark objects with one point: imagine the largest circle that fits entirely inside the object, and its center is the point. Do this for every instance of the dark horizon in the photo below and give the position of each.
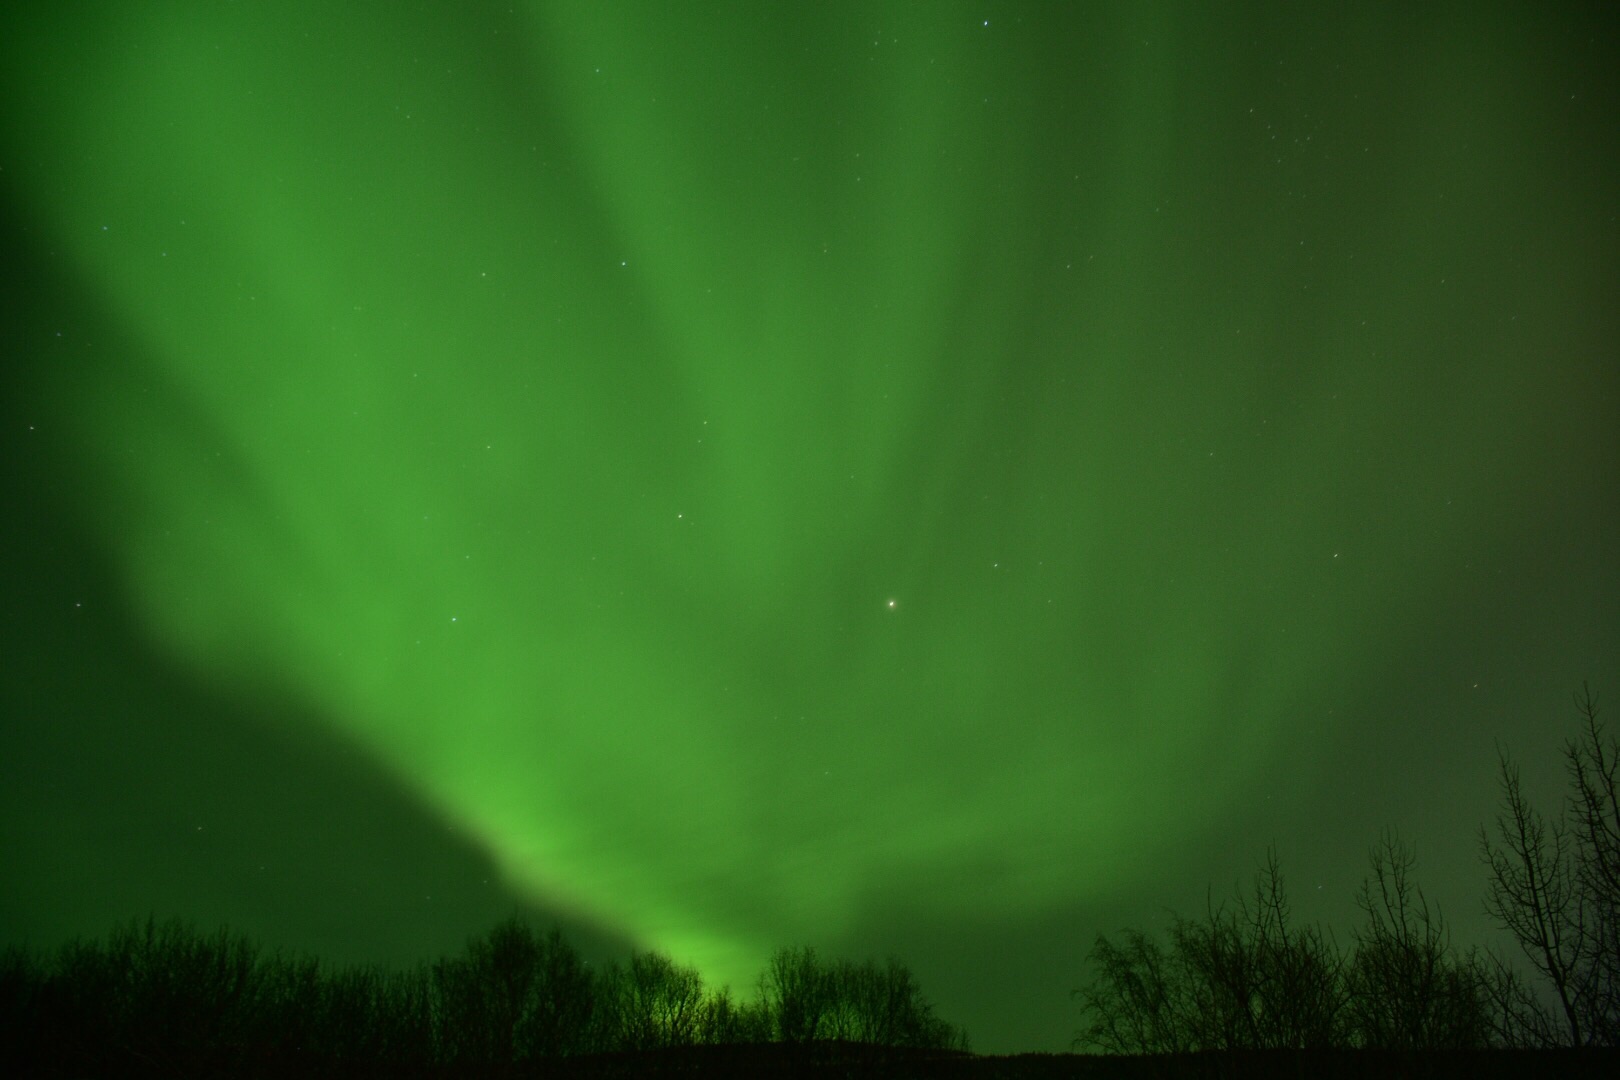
(943, 480)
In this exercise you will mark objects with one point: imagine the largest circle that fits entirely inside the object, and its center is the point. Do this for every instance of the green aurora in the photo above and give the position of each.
(764, 474)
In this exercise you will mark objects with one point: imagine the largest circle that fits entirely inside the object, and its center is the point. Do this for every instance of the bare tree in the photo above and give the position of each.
(882, 1004)
(806, 999)
(1532, 895)
(514, 995)
(1518, 1014)
(1408, 990)
(1301, 996)
(1257, 981)
(1591, 762)
(796, 994)
(1135, 1003)
(725, 1020)
(652, 1004)
(1555, 885)
(559, 1021)
(1243, 977)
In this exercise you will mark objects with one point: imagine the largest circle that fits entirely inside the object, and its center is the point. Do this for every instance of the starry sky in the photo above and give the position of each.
(933, 478)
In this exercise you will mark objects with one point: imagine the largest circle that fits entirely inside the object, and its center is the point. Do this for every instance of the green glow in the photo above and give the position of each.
(732, 464)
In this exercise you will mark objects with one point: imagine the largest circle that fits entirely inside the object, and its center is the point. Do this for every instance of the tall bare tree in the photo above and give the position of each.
(797, 993)
(1408, 989)
(654, 1003)
(1244, 977)
(1555, 885)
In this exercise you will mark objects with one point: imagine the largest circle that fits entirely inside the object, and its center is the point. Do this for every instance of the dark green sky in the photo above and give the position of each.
(933, 478)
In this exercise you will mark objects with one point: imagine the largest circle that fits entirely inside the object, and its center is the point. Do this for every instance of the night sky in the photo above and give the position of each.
(942, 479)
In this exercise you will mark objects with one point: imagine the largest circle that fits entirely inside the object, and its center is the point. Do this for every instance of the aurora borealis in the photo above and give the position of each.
(941, 478)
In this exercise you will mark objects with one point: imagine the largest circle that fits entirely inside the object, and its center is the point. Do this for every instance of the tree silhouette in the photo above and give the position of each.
(177, 997)
(561, 1014)
(796, 995)
(1407, 989)
(1246, 977)
(724, 1020)
(1242, 978)
(805, 1000)
(1135, 1004)
(514, 996)
(653, 1004)
(164, 1000)
(1555, 885)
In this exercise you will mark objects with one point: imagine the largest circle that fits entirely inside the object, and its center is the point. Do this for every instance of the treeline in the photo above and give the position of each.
(166, 999)
(1246, 977)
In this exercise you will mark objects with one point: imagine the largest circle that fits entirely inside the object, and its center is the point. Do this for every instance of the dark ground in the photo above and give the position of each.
(874, 1062)
(849, 1062)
